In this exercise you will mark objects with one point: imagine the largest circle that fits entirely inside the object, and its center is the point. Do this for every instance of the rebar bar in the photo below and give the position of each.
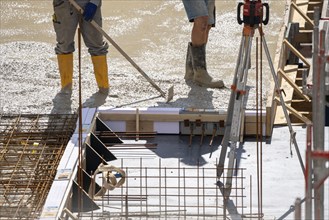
(31, 147)
(155, 189)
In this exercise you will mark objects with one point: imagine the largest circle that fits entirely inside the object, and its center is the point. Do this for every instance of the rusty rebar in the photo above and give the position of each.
(31, 147)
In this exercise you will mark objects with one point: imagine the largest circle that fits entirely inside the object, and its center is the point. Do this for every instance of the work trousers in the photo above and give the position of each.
(66, 20)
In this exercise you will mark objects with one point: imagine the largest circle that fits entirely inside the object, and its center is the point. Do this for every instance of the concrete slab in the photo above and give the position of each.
(156, 177)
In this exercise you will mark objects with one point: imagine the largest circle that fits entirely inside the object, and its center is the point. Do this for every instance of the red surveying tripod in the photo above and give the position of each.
(252, 19)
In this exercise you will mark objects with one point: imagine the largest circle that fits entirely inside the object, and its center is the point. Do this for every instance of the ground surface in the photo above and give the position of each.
(153, 33)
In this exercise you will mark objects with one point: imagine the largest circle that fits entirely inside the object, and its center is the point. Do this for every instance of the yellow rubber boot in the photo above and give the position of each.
(65, 66)
(101, 73)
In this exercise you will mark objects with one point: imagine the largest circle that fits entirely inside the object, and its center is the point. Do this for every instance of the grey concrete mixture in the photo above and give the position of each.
(153, 33)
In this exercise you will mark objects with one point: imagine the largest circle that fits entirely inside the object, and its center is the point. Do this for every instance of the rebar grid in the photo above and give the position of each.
(155, 190)
(31, 147)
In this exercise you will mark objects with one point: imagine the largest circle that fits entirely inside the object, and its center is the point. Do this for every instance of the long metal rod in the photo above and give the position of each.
(261, 125)
(228, 122)
(123, 53)
(257, 128)
(80, 174)
(318, 105)
(238, 113)
(284, 108)
(308, 174)
(16, 167)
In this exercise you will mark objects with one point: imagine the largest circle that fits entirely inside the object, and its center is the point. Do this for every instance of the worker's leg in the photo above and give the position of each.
(65, 66)
(200, 31)
(199, 37)
(202, 13)
(98, 49)
(65, 22)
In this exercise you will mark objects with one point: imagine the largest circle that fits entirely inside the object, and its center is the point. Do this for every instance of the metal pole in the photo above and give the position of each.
(80, 174)
(298, 209)
(308, 174)
(228, 122)
(318, 108)
(257, 130)
(238, 113)
(285, 111)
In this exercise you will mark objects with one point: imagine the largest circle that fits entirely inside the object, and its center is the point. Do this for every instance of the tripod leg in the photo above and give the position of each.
(277, 88)
(237, 116)
(224, 144)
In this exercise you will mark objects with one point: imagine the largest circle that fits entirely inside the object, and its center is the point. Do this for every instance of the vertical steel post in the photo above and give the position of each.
(298, 209)
(308, 174)
(318, 108)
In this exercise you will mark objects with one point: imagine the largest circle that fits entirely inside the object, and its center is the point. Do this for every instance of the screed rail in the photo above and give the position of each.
(31, 147)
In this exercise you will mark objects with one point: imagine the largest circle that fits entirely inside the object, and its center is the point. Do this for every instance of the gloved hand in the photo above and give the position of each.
(89, 11)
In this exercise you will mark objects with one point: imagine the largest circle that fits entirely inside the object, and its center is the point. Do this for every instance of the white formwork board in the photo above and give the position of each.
(159, 127)
(66, 170)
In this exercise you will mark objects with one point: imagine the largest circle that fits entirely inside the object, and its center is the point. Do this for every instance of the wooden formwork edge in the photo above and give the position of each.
(278, 62)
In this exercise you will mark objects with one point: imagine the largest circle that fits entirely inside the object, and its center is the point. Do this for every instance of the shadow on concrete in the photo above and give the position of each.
(198, 97)
(239, 151)
(138, 101)
(229, 205)
(95, 100)
(62, 103)
(178, 146)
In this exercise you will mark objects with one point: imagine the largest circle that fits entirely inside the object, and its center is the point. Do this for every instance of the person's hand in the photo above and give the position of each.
(89, 11)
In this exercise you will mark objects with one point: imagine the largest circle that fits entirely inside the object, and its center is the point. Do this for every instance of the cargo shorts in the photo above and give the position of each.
(198, 8)
(66, 20)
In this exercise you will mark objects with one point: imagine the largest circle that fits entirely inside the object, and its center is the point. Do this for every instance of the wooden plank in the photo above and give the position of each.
(253, 119)
(291, 71)
(292, 31)
(296, 52)
(164, 118)
(293, 85)
(144, 126)
(313, 4)
(296, 113)
(251, 128)
(304, 36)
(268, 129)
(174, 118)
(299, 11)
(301, 105)
(279, 62)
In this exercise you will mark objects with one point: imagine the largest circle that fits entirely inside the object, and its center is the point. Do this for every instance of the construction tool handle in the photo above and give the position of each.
(253, 18)
(267, 14)
(240, 21)
(93, 23)
(127, 57)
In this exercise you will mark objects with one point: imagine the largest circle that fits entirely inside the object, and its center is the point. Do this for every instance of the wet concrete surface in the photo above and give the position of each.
(153, 33)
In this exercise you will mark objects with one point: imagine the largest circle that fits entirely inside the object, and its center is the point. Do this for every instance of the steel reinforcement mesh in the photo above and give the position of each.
(154, 189)
(31, 147)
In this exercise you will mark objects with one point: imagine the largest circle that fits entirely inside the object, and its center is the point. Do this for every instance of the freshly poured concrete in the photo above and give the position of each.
(154, 33)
